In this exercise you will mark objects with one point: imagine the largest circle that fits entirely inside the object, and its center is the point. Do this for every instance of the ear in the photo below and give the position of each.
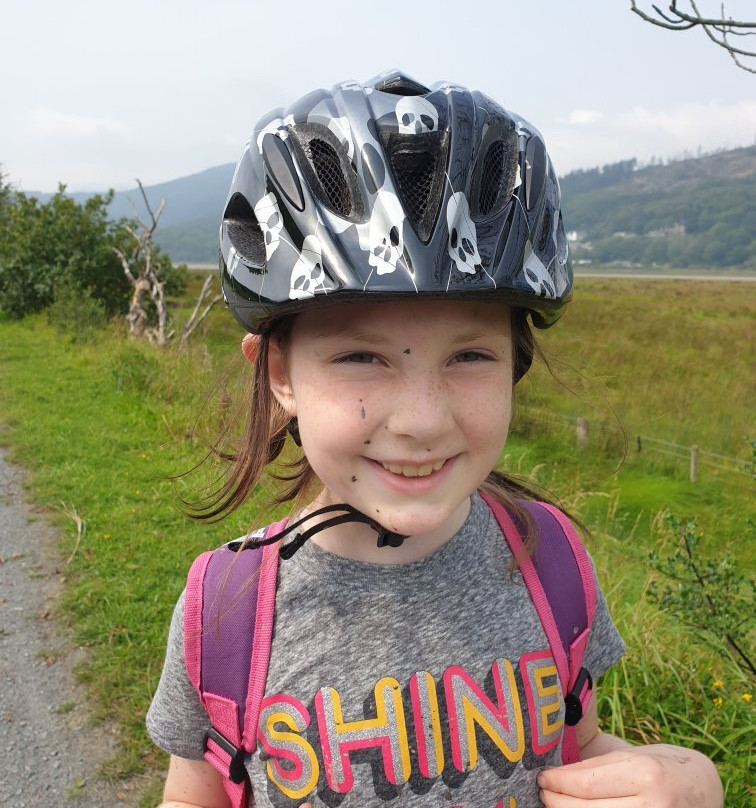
(250, 346)
(278, 376)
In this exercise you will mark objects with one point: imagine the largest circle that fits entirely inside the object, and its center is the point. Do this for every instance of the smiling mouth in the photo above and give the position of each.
(414, 471)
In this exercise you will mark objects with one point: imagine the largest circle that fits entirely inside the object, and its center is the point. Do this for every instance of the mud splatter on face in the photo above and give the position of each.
(367, 442)
(407, 350)
(362, 413)
(354, 479)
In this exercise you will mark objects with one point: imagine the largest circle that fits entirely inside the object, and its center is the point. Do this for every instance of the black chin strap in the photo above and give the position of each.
(349, 514)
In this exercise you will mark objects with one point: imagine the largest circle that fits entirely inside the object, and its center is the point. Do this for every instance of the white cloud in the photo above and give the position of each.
(49, 123)
(643, 132)
(581, 117)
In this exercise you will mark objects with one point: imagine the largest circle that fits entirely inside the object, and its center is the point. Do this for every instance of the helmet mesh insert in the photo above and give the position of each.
(493, 174)
(414, 172)
(327, 166)
(244, 231)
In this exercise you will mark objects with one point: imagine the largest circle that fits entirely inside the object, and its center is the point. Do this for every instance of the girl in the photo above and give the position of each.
(385, 246)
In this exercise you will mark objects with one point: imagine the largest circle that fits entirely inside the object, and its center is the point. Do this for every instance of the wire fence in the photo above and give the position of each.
(694, 455)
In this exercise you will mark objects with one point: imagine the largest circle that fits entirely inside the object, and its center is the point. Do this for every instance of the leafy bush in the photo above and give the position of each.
(44, 247)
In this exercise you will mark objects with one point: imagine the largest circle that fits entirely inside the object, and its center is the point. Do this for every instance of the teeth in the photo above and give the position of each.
(414, 471)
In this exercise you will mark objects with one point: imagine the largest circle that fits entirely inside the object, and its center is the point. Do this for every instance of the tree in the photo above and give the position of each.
(46, 247)
(721, 30)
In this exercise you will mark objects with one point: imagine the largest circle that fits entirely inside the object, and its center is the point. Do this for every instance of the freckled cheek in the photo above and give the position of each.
(487, 417)
(335, 418)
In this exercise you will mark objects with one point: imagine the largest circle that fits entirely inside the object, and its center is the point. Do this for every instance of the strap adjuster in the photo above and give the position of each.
(236, 770)
(573, 704)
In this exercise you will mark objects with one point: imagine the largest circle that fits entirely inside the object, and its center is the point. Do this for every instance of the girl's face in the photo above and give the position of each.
(403, 406)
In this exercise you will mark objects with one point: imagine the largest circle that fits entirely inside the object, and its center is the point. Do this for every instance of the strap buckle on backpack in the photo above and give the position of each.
(574, 700)
(236, 770)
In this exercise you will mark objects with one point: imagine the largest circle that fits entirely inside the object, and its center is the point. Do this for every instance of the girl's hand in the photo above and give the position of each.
(657, 776)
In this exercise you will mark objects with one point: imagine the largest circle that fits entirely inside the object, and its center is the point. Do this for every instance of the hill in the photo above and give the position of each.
(692, 212)
(689, 212)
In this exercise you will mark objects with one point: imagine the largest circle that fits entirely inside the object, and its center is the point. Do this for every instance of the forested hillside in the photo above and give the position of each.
(687, 213)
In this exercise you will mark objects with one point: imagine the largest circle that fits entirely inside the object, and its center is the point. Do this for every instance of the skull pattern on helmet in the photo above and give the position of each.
(271, 224)
(415, 115)
(463, 239)
(307, 274)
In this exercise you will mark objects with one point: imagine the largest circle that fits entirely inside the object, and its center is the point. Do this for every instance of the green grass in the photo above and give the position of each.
(668, 359)
(104, 424)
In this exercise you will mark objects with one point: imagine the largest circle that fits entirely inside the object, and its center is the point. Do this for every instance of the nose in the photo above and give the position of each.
(422, 407)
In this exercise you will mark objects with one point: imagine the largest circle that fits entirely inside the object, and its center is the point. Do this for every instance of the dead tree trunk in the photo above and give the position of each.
(142, 273)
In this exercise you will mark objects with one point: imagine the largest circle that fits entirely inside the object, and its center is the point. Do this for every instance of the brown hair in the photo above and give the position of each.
(267, 424)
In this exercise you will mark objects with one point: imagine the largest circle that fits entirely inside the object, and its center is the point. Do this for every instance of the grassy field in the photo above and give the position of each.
(103, 424)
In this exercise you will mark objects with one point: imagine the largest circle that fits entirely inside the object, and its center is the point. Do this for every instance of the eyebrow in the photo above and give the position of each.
(350, 334)
(478, 333)
(380, 339)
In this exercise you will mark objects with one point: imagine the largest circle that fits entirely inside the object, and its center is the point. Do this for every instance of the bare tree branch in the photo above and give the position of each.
(718, 29)
(196, 318)
(153, 216)
(125, 264)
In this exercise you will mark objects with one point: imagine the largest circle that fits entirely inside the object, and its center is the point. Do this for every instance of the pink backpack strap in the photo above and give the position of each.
(562, 587)
(228, 624)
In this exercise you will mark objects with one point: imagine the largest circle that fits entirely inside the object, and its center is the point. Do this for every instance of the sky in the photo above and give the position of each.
(97, 94)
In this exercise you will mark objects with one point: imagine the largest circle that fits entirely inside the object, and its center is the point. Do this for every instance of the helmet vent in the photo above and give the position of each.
(327, 166)
(244, 232)
(414, 175)
(418, 166)
(402, 85)
(493, 175)
(495, 172)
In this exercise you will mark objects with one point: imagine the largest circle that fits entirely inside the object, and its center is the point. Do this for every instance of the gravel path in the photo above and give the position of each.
(50, 751)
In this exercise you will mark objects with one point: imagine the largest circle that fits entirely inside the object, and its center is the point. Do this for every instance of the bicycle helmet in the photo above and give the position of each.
(391, 188)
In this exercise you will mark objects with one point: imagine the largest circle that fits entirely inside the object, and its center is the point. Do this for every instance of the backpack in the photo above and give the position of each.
(227, 649)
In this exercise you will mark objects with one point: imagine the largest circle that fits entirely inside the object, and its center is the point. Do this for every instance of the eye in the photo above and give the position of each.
(357, 357)
(471, 356)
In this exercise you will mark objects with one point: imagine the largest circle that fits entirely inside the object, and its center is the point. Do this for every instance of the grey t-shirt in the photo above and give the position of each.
(422, 684)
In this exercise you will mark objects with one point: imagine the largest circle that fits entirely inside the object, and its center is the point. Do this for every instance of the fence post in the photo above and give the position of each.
(582, 433)
(693, 463)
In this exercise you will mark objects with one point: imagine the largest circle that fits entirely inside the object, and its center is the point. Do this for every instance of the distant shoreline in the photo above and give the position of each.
(663, 276)
(580, 273)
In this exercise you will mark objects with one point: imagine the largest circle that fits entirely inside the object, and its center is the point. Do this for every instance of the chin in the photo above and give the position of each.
(426, 523)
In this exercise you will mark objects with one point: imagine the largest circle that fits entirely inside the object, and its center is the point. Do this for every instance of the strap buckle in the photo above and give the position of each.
(236, 770)
(573, 701)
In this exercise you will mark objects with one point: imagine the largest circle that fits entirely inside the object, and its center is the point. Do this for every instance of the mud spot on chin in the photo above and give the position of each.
(407, 350)
(367, 442)
(354, 479)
